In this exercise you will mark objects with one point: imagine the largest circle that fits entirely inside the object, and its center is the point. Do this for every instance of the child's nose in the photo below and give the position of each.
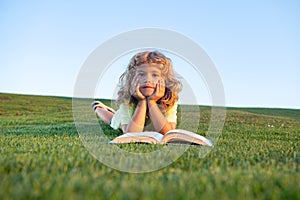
(148, 79)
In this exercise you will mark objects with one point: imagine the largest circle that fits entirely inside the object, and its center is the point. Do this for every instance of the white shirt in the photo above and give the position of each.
(125, 112)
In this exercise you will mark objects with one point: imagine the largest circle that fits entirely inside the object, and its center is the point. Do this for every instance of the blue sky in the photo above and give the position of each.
(254, 45)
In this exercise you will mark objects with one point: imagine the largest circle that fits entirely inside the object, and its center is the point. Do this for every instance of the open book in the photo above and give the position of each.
(173, 136)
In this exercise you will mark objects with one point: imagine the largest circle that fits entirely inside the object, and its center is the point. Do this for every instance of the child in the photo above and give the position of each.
(147, 98)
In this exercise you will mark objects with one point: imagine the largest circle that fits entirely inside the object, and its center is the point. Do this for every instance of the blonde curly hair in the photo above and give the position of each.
(173, 85)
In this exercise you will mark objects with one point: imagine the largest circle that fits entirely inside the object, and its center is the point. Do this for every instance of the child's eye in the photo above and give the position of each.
(155, 75)
(140, 74)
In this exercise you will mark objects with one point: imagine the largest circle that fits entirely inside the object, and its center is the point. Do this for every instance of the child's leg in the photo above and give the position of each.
(104, 112)
(104, 115)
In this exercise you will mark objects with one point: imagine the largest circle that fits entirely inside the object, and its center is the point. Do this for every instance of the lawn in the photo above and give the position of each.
(42, 157)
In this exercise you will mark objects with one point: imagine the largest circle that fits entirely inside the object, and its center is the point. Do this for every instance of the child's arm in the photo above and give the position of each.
(139, 116)
(159, 121)
(138, 119)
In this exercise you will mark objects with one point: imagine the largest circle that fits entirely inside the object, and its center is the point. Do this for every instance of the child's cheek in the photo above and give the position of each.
(137, 79)
(159, 79)
(155, 80)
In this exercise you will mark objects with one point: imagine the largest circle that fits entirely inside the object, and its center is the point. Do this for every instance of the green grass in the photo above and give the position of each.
(42, 157)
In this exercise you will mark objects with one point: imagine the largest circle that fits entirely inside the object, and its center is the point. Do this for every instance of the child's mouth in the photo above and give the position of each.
(147, 86)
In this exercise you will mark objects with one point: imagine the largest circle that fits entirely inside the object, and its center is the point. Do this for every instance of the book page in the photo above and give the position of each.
(148, 137)
(156, 135)
(178, 135)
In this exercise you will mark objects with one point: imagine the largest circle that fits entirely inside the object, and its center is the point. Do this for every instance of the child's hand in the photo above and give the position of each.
(135, 89)
(159, 91)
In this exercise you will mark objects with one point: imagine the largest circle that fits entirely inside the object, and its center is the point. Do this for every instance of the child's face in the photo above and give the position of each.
(148, 76)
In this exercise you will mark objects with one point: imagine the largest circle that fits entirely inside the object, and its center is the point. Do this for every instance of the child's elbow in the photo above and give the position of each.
(167, 127)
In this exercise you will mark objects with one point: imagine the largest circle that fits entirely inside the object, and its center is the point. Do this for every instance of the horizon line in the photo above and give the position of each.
(104, 98)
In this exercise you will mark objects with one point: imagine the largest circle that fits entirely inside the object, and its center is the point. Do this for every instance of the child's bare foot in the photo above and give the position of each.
(98, 104)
